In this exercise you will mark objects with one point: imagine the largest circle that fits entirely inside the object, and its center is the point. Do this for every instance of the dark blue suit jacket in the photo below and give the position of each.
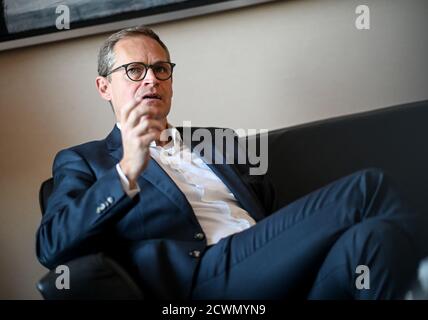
(151, 234)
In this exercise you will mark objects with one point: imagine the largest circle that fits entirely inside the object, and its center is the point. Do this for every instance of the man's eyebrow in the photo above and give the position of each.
(157, 61)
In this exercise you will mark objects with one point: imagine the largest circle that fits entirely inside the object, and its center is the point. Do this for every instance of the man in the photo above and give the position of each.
(186, 228)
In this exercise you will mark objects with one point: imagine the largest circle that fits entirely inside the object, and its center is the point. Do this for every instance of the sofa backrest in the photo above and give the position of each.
(306, 157)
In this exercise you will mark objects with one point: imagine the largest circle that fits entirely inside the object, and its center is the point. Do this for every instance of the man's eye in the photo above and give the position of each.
(160, 69)
(135, 70)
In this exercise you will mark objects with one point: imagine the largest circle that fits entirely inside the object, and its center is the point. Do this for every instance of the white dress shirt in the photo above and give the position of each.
(215, 207)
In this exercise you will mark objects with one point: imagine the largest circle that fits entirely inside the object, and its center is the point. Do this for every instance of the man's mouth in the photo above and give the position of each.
(152, 96)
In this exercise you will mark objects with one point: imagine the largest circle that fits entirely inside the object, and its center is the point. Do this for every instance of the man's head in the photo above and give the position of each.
(119, 84)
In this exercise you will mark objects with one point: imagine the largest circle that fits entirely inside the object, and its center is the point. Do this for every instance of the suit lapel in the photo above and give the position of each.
(163, 182)
(114, 143)
(242, 192)
(230, 177)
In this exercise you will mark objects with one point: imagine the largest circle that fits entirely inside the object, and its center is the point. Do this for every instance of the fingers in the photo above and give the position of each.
(141, 122)
(134, 105)
(146, 131)
(140, 112)
(149, 137)
(126, 110)
(132, 113)
(140, 125)
(147, 125)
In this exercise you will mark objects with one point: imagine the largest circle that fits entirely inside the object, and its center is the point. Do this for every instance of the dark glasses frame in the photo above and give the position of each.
(146, 68)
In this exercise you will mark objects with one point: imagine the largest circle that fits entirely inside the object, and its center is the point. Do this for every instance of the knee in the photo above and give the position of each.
(374, 172)
(381, 239)
(373, 232)
(384, 251)
(372, 182)
(371, 175)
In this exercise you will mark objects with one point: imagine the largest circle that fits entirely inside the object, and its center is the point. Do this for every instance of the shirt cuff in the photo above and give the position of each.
(125, 183)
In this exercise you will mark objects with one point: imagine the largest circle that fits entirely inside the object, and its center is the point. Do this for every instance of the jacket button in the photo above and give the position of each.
(102, 206)
(199, 236)
(110, 200)
(195, 253)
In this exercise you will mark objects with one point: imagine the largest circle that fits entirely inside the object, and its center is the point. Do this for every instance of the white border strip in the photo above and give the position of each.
(107, 27)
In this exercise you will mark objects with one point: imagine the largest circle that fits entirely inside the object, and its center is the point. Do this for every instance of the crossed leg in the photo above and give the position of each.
(311, 248)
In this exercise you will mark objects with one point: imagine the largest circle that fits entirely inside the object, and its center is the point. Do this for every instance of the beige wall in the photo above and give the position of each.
(268, 66)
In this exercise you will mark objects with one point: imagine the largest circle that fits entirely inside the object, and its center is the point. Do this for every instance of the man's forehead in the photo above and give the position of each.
(139, 47)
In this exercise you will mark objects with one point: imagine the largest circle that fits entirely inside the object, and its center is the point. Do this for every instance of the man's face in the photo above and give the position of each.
(121, 90)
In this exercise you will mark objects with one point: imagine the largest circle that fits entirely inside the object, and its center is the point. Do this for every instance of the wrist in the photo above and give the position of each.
(132, 180)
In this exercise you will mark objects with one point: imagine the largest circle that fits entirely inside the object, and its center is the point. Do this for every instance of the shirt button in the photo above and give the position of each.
(199, 236)
(195, 253)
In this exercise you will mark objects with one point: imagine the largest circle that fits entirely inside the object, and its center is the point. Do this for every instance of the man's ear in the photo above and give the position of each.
(103, 87)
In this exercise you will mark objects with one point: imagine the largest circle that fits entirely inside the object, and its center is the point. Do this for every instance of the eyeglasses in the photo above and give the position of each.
(137, 71)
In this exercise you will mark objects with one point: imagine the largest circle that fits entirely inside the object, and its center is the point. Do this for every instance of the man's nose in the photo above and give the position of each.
(150, 77)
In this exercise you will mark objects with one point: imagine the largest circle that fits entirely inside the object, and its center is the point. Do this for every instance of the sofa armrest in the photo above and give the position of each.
(92, 277)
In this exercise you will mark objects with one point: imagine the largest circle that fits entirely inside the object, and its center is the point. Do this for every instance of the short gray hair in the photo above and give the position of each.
(106, 57)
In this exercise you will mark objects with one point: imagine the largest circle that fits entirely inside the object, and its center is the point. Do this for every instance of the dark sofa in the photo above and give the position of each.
(301, 159)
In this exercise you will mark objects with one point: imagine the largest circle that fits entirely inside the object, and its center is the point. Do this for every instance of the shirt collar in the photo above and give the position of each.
(171, 132)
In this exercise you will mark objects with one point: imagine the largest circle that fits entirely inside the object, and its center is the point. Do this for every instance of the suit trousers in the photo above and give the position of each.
(352, 239)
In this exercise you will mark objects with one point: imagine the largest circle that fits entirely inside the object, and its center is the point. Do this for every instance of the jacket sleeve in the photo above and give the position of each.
(79, 211)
